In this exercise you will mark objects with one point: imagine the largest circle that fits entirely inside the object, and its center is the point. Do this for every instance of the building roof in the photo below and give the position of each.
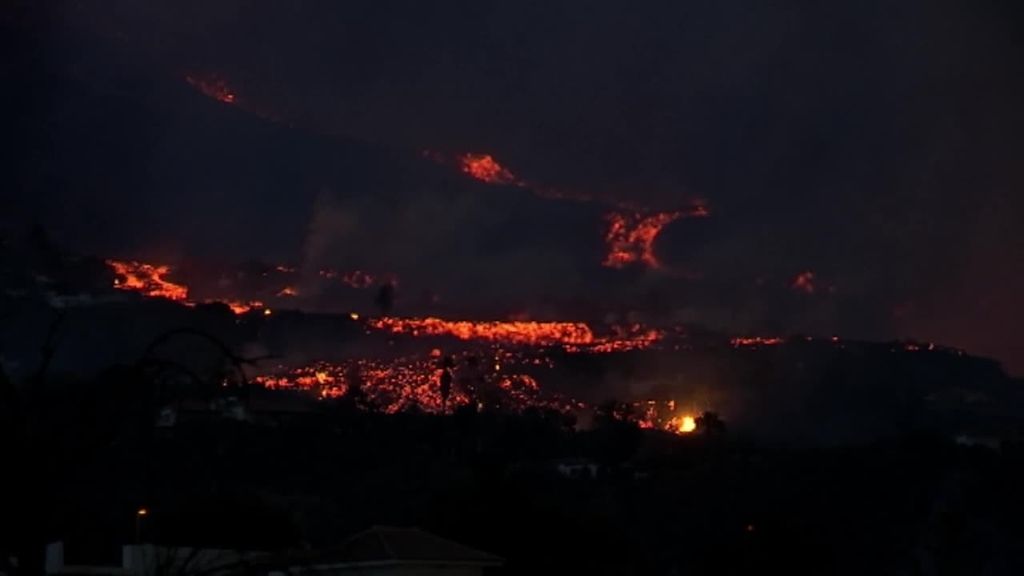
(390, 545)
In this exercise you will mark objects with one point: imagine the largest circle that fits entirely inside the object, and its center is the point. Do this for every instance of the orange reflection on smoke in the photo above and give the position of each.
(803, 282)
(213, 87)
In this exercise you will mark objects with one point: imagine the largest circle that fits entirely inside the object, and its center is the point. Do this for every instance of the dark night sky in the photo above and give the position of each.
(875, 143)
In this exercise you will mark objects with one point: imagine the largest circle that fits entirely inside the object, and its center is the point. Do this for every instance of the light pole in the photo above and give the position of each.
(139, 515)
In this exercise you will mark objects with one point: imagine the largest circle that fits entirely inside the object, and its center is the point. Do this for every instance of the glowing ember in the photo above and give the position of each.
(485, 168)
(358, 278)
(803, 282)
(146, 279)
(755, 341)
(510, 332)
(630, 238)
(420, 383)
(213, 87)
(572, 336)
(288, 291)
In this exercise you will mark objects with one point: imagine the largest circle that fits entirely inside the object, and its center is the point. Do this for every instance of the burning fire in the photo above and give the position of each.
(683, 424)
(803, 282)
(657, 415)
(213, 87)
(147, 279)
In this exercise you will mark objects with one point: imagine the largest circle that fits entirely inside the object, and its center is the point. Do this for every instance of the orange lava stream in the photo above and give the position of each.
(630, 238)
(508, 332)
(485, 168)
(147, 279)
(755, 341)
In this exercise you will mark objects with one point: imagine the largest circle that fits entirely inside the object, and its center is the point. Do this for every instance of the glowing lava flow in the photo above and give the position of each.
(146, 279)
(510, 332)
(482, 378)
(630, 238)
(571, 336)
(485, 168)
(755, 341)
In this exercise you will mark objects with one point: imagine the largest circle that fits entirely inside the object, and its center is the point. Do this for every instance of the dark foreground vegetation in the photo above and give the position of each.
(230, 466)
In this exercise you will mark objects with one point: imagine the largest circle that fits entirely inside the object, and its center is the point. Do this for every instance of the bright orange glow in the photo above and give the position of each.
(572, 336)
(241, 307)
(146, 279)
(399, 384)
(682, 424)
(658, 415)
(288, 291)
(213, 87)
(630, 238)
(803, 282)
(353, 316)
(142, 512)
(485, 168)
(510, 332)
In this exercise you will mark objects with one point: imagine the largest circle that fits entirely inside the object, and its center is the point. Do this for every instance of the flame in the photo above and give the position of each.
(213, 87)
(485, 168)
(147, 279)
(683, 424)
(803, 282)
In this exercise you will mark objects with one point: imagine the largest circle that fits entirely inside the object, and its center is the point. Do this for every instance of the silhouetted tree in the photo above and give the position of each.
(446, 387)
(710, 424)
(385, 299)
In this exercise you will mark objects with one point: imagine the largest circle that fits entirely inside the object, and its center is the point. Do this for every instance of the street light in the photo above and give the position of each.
(139, 515)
